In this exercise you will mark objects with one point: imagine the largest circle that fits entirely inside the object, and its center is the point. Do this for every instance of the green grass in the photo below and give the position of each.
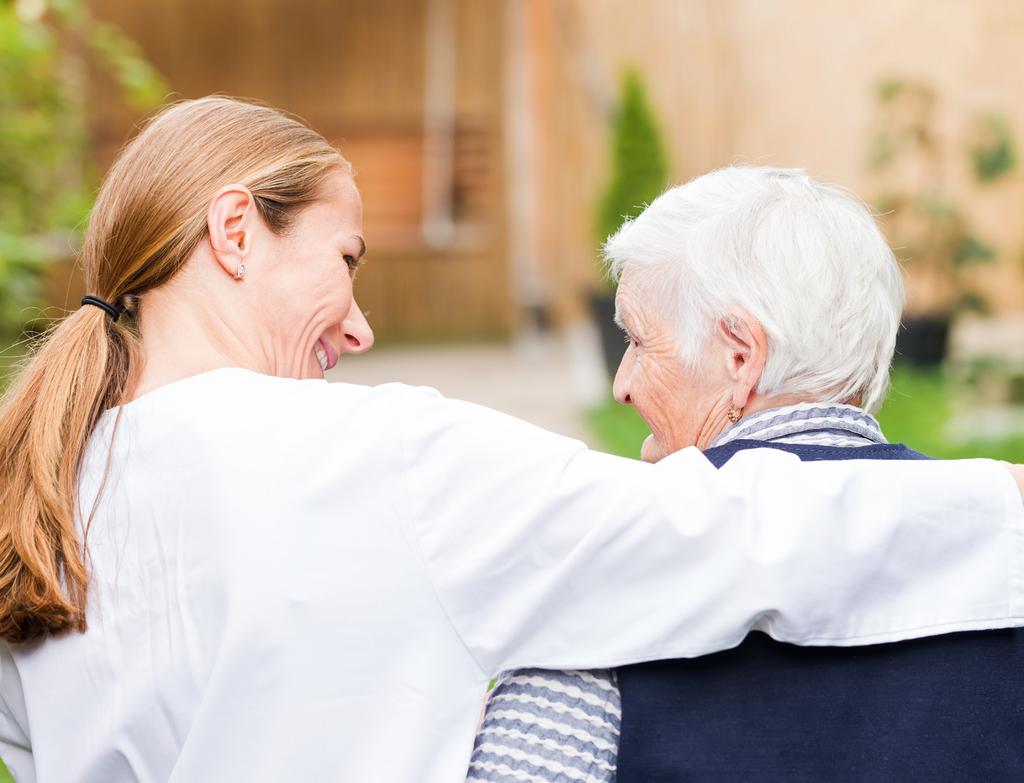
(919, 406)
(5, 776)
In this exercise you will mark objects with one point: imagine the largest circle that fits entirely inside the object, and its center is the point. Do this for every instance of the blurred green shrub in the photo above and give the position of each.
(639, 165)
(46, 178)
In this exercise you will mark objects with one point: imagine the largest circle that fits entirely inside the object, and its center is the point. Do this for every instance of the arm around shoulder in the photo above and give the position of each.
(547, 554)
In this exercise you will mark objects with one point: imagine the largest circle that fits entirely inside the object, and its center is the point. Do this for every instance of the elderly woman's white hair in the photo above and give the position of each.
(806, 259)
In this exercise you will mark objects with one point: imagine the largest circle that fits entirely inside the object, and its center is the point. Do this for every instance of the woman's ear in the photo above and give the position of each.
(746, 351)
(231, 221)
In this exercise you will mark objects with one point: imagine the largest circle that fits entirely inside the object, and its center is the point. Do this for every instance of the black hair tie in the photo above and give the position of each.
(103, 304)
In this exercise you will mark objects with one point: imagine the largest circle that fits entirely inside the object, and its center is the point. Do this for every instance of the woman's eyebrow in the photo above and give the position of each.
(621, 318)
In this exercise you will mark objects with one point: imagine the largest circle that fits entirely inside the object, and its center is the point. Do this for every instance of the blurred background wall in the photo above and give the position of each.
(479, 128)
(791, 83)
(482, 133)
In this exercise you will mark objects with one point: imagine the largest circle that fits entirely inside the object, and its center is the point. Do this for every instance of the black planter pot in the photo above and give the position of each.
(923, 340)
(613, 345)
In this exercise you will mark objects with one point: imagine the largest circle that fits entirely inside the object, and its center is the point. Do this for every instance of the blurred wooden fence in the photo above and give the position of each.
(359, 72)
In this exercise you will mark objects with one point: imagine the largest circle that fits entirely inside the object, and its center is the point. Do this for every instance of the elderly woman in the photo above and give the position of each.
(761, 309)
(216, 566)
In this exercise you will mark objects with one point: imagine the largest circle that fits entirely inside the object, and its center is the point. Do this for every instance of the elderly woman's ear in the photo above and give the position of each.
(744, 350)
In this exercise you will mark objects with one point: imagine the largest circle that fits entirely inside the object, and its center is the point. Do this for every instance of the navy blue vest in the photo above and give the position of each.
(946, 708)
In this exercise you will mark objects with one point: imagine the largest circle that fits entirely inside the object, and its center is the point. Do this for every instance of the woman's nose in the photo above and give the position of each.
(357, 334)
(620, 386)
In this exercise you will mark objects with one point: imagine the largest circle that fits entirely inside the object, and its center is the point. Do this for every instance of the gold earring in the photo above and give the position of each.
(733, 414)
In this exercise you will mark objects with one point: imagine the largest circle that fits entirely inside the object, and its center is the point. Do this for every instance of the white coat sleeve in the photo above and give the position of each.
(15, 749)
(545, 553)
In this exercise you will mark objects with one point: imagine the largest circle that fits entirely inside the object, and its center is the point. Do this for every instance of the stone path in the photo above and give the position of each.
(548, 381)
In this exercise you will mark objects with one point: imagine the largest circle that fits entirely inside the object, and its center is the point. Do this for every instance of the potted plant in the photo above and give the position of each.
(923, 221)
(638, 174)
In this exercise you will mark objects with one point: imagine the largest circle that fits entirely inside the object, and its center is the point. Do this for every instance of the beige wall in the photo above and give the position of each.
(785, 83)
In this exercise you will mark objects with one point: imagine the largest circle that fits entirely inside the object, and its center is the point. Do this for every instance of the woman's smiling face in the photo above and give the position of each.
(306, 301)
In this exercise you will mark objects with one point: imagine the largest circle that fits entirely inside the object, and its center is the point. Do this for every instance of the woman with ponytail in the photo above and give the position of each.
(216, 566)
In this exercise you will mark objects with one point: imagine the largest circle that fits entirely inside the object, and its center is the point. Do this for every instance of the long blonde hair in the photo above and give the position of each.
(149, 216)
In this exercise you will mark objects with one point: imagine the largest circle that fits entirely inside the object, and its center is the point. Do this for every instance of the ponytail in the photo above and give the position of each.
(81, 369)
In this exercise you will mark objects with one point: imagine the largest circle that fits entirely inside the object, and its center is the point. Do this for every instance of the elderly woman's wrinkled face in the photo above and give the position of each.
(682, 407)
(306, 301)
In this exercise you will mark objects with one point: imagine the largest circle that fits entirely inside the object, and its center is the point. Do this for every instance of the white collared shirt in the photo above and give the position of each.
(295, 580)
(564, 725)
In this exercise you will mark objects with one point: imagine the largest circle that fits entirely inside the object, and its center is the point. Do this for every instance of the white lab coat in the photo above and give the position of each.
(295, 580)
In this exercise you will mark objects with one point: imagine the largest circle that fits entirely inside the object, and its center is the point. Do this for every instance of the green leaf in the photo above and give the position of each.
(888, 89)
(142, 86)
(972, 302)
(993, 155)
(971, 250)
(937, 206)
(884, 148)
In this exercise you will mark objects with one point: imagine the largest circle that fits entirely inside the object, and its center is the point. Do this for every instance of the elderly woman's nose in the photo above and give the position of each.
(620, 386)
(356, 331)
